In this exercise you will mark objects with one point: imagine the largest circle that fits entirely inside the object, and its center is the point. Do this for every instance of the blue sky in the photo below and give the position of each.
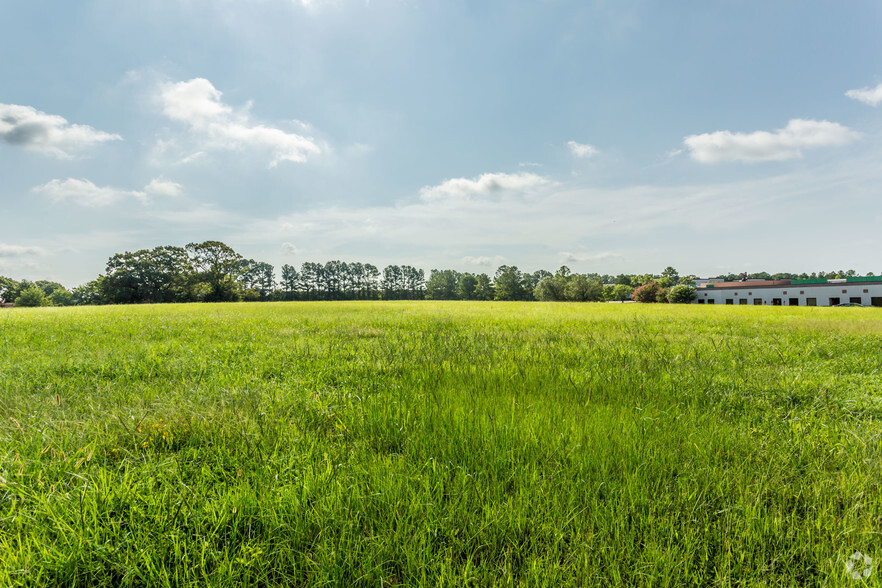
(611, 136)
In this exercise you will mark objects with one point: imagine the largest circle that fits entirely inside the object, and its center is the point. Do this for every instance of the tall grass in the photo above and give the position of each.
(450, 444)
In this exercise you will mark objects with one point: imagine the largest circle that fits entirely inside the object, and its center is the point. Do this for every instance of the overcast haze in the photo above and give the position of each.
(611, 136)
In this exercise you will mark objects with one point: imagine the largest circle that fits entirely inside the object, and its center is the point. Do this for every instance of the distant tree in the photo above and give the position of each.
(290, 281)
(530, 281)
(666, 282)
(370, 282)
(442, 285)
(61, 297)
(621, 292)
(508, 283)
(218, 266)
(7, 287)
(89, 293)
(641, 280)
(393, 283)
(647, 292)
(466, 287)
(682, 294)
(671, 273)
(483, 287)
(581, 288)
(551, 289)
(162, 274)
(32, 296)
(623, 279)
(414, 282)
(258, 276)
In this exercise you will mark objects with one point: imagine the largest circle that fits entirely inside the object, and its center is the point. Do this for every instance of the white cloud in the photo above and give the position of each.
(786, 143)
(582, 150)
(197, 103)
(463, 188)
(290, 248)
(483, 260)
(85, 193)
(871, 96)
(567, 257)
(162, 187)
(19, 250)
(29, 128)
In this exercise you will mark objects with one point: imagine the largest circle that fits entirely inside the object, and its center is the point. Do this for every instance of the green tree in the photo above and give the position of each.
(671, 273)
(508, 283)
(621, 292)
(8, 286)
(257, 276)
(467, 287)
(32, 296)
(682, 294)
(290, 281)
(218, 266)
(483, 287)
(89, 293)
(581, 288)
(442, 285)
(551, 289)
(61, 297)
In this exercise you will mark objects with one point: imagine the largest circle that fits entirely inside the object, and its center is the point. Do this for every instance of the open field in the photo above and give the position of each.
(371, 444)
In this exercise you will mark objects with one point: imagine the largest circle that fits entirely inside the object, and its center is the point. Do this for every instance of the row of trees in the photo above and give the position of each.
(212, 271)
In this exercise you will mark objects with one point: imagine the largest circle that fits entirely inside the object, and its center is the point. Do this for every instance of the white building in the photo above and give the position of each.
(866, 291)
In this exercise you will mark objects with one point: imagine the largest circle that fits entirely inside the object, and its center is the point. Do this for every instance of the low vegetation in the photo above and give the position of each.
(432, 443)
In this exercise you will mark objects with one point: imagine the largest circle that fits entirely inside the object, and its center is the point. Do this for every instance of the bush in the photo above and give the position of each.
(662, 295)
(647, 292)
(33, 296)
(682, 294)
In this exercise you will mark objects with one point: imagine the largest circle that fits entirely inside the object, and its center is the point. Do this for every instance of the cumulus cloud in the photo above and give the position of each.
(463, 188)
(582, 150)
(162, 187)
(483, 260)
(29, 128)
(198, 104)
(871, 96)
(782, 144)
(83, 192)
(19, 250)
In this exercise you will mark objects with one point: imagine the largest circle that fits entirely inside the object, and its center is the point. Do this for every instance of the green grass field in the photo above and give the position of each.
(448, 444)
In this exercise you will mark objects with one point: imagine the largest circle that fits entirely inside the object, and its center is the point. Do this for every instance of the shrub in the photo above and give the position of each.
(662, 295)
(33, 296)
(682, 294)
(647, 292)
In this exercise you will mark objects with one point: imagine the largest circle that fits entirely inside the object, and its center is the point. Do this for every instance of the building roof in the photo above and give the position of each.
(746, 284)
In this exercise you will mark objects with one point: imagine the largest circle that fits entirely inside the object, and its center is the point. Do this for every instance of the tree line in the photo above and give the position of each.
(212, 271)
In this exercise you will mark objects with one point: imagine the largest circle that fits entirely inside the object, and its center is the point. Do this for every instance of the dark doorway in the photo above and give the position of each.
(793, 302)
(834, 301)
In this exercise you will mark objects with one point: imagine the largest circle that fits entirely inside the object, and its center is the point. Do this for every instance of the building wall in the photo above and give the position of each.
(800, 294)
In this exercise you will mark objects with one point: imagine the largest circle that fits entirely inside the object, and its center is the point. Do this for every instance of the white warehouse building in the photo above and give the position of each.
(864, 291)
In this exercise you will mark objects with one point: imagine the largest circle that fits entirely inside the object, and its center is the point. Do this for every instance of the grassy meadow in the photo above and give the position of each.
(439, 444)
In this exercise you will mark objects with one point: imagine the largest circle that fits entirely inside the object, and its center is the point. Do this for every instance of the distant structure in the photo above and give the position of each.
(864, 291)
